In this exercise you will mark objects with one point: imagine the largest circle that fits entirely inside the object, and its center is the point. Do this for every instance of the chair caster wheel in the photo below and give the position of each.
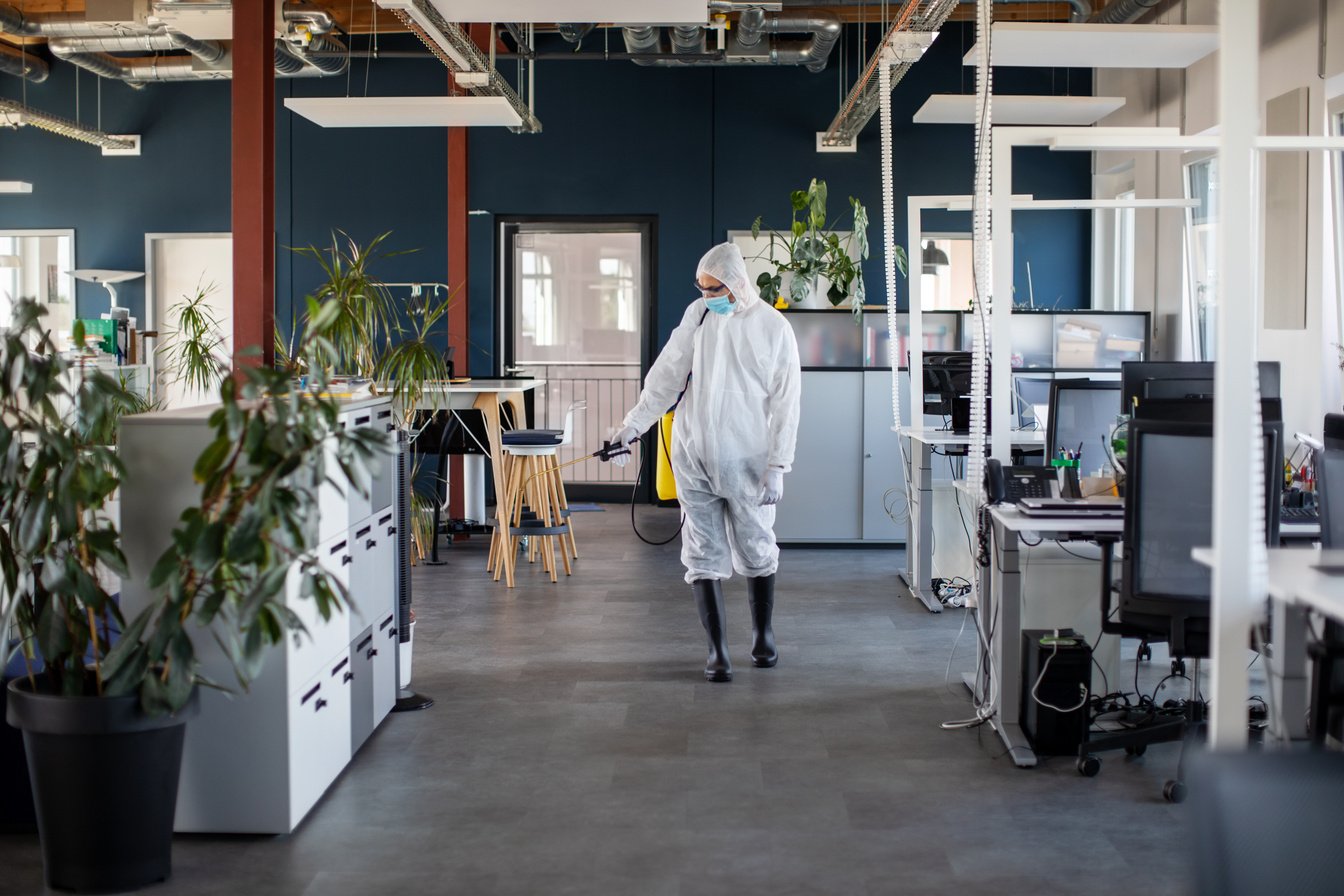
(1178, 667)
(1088, 766)
(1145, 652)
(1174, 791)
(1136, 750)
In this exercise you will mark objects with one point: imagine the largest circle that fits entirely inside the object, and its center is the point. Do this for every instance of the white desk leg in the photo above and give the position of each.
(919, 537)
(1288, 683)
(1002, 610)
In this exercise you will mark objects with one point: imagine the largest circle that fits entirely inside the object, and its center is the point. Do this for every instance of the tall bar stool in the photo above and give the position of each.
(536, 506)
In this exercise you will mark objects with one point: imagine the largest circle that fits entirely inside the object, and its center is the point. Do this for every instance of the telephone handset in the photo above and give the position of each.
(1011, 484)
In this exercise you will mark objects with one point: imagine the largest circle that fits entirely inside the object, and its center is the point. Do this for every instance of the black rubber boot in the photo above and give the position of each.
(761, 592)
(709, 600)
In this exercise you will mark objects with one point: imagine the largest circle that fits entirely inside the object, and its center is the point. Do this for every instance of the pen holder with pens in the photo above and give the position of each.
(1066, 469)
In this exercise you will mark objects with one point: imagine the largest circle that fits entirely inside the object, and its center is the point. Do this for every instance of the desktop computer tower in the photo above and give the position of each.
(1066, 660)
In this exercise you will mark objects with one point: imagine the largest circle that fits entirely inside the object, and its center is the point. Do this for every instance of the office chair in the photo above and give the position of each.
(1327, 684)
(1163, 592)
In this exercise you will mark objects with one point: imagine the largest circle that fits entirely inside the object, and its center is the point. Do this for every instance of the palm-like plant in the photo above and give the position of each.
(365, 316)
(194, 353)
(412, 362)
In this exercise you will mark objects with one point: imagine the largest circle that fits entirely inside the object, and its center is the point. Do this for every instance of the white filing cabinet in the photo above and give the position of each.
(257, 762)
(847, 459)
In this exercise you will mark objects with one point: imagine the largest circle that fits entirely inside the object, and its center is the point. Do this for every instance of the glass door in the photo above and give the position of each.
(575, 310)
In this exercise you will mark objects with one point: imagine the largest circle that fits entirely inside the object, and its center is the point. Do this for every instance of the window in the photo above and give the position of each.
(1201, 262)
(1122, 289)
(947, 272)
(1337, 160)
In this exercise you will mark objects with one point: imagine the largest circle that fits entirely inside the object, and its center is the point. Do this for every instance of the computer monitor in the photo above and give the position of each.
(1329, 466)
(1179, 380)
(946, 376)
(1081, 416)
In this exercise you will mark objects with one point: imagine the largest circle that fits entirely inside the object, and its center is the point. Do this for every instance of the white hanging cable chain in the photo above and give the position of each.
(889, 242)
(980, 236)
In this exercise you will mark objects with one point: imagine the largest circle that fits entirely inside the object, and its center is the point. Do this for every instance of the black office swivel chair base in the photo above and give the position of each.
(1135, 741)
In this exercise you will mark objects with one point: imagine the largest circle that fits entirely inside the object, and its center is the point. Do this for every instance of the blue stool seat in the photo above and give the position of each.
(537, 437)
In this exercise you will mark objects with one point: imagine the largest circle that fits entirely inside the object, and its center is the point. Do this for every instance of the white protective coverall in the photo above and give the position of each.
(739, 416)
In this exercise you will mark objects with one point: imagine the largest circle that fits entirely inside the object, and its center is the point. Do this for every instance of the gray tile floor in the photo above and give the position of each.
(575, 748)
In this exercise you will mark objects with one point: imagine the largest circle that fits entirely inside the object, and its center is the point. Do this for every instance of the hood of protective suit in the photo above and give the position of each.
(725, 263)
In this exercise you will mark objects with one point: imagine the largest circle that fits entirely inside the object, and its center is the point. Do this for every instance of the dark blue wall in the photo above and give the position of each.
(705, 150)
(709, 149)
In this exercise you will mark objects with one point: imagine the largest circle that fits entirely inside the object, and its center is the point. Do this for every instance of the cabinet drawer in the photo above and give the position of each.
(325, 637)
(362, 658)
(319, 735)
(384, 668)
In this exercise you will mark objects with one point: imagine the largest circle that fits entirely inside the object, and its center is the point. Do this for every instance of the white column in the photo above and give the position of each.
(1001, 222)
(1234, 600)
(915, 269)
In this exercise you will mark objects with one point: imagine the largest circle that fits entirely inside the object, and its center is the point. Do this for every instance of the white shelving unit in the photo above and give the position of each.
(258, 762)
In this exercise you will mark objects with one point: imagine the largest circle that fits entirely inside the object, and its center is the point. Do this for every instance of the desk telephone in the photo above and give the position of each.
(1011, 484)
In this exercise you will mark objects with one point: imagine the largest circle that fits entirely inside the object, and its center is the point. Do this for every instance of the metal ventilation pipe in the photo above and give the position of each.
(286, 63)
(208, 51)
(322, 44)
(643, 39)
(23, 65)
(688, 39)
(575, 32)
(1122, 12)
(1078, 12)
(749, 27)
(318, 20)
(811, 53)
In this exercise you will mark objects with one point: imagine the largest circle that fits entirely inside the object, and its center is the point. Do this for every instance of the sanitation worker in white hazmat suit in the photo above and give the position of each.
(732, 442)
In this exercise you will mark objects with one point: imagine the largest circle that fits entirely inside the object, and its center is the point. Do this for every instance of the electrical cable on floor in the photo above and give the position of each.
(634, 493)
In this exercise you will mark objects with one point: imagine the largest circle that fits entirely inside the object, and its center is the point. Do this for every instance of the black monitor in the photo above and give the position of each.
(1329, 466)
(1164, 381)
(1082, 415)
(947, 375)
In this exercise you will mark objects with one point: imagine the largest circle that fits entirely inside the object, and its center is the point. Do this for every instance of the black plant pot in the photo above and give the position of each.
(16, 794)
(105, 786)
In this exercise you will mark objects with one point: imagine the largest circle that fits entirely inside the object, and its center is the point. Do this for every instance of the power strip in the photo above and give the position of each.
(950, 594)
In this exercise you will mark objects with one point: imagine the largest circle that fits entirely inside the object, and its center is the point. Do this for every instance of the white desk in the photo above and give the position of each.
(1001, 611)
(919, 473)
(1295, 589)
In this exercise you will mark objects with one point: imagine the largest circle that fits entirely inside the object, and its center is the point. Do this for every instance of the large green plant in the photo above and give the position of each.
(226, 569)
(363, 315)
(193, 353)
(810, 250)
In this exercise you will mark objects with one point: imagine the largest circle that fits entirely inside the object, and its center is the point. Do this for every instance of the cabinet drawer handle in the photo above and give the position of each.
(392, 632)
(348, 676)
(346, 561)
(370, 544)
(390, 427)
(318, 706)
(365, 531)
(360, 421)
(372, 652)
(391, 530)
(384, 519)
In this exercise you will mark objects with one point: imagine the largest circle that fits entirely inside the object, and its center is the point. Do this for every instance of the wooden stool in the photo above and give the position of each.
(536, 506)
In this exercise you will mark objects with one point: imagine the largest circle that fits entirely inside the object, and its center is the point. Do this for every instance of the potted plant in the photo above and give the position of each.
(810, 252)
(103, 699)
(193, 356)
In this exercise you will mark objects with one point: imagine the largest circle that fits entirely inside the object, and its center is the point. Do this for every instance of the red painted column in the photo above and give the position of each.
(254, 181)
(457, 277)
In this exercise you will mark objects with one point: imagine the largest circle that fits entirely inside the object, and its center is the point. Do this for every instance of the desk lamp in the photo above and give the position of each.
(106, 278)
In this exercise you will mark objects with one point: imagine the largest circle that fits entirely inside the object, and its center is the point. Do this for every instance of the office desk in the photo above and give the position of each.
(485, 396)
(1001, 610)
(919, 473)
(1294, 590)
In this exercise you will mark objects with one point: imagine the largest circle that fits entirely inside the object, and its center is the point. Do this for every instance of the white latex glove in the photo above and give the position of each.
(772, 486)
(626, 435)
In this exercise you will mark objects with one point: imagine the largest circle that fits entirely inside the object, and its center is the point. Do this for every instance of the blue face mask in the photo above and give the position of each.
(719, 304)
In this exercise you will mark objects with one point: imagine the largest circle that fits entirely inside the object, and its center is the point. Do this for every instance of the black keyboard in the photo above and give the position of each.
(1299, 515)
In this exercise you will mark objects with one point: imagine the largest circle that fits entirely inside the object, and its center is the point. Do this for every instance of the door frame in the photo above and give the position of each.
(506, 228)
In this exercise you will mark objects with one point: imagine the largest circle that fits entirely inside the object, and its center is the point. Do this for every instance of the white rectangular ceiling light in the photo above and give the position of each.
(959, 108)
(1080, 45)
(15, 186)
(627, 12)
(405, 111)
